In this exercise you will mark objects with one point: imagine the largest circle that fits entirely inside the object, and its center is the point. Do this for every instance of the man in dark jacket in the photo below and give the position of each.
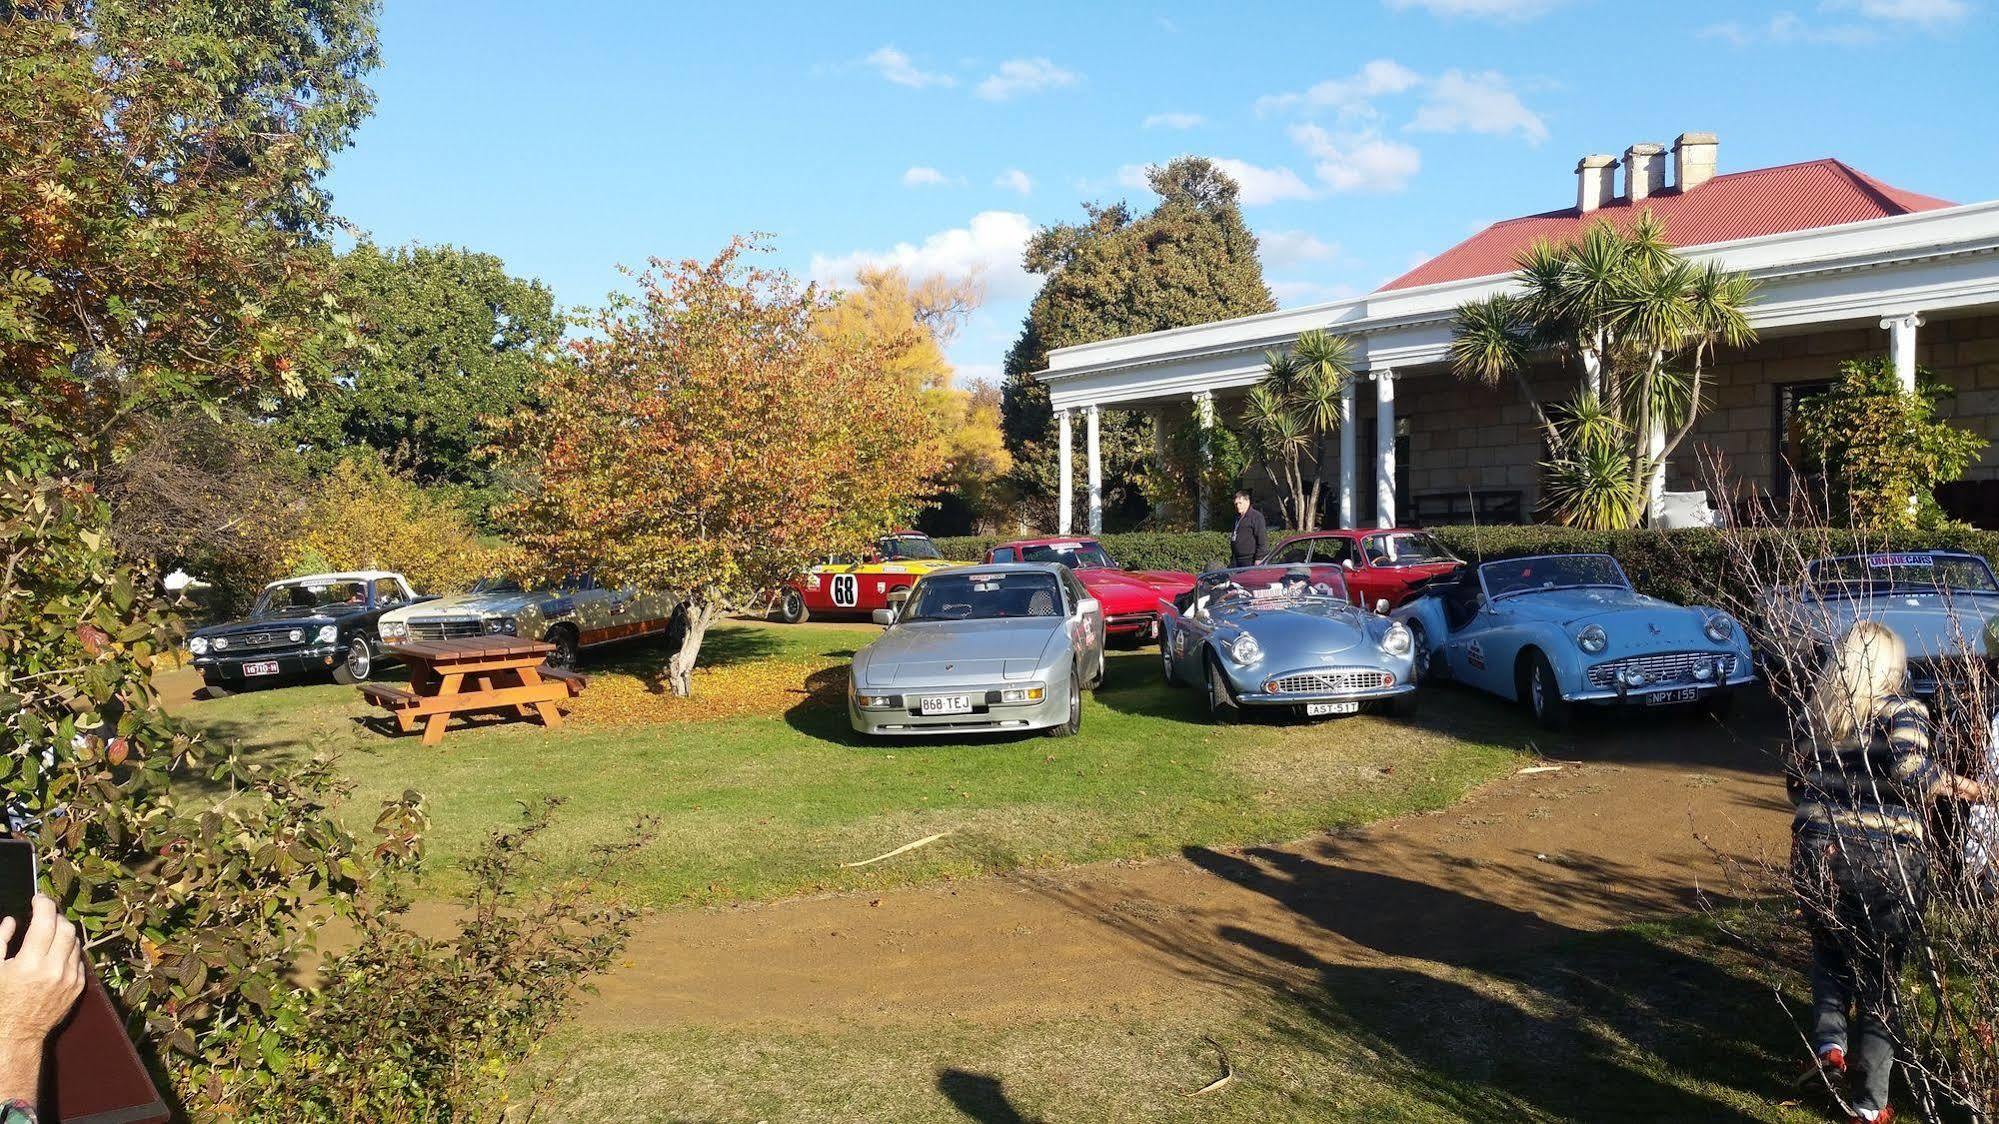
(1249, 542)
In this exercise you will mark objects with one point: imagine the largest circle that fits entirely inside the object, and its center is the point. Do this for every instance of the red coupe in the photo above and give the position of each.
(1380, 565)
(1130, 598)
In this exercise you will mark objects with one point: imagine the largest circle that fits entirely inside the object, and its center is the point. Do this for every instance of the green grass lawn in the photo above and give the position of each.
(1651, 1023)
(762, 805)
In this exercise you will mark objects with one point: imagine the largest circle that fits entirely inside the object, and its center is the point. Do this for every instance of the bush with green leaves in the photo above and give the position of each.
(1881, 449)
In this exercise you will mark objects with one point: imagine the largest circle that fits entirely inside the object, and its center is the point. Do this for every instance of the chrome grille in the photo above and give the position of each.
(1662, 667)
(270, 638)
(1330, 681)
(446, 628)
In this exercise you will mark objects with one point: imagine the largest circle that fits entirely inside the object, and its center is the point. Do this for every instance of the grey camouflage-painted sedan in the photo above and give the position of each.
(981, 649)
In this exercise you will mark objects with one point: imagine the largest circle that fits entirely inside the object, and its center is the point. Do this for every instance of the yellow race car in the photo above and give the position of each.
(858, 586)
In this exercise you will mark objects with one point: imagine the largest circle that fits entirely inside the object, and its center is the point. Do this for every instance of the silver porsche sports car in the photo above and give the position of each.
(1284, 637)
(981, 649)
(1943, 604)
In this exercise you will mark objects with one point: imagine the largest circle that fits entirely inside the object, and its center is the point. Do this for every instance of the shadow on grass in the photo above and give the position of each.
(1478, 1006)
(979, 1096)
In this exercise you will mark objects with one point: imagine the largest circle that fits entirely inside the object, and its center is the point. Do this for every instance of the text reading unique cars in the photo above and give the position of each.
(574, 614)
(1285, 637)
(859, 586)
(319, 624)
(1380, 565)
(981, 649)
(1941, 603)
(1556, 630)
(1130, 598)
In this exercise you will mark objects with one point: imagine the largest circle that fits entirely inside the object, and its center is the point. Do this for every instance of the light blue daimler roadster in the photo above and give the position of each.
(1283, 638)
(1558, 630)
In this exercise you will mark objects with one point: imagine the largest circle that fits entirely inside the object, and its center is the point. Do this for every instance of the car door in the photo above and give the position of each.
(1295, 552)
(1090, 625)
(388, 594)
(592, 608)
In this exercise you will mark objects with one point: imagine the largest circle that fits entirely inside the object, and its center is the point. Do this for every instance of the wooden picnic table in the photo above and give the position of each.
(450, 677)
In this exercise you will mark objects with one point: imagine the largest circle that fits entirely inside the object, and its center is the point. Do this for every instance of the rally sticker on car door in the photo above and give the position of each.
(846, 590)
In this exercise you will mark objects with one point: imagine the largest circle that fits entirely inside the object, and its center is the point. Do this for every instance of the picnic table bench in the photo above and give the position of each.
(450, 677)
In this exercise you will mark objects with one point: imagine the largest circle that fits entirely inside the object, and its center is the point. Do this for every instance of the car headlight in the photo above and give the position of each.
(1396, 640)
(885, 702)
(198, 645)
(221, 642)
(1592, 639)
(502, 624)
(1245, 649)
(1022, 694)
(328, 633)
(395, 630)
(296, 635)
(1719, 628)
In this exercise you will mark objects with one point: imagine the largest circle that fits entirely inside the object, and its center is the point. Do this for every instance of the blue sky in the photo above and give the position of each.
(1368, 133)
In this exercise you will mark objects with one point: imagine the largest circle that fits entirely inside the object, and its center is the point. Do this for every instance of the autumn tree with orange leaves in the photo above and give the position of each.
(705, 440)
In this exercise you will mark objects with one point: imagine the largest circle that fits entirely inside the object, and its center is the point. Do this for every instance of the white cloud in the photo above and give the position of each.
(989, 247)
(920, 176)
(1293, 294)
(1353, 95)
(1024, 76)
(1258, 185)
(897, 68)
(1789, 27)
(1358, 162)
(1013, 179)
(1480, 9)
(1173, 121)
(1477, 103)
(1283, 248)
(1929, 13)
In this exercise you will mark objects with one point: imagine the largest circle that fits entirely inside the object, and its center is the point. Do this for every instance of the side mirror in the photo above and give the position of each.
(1346, 563)
(1087, 606)
(884, 617)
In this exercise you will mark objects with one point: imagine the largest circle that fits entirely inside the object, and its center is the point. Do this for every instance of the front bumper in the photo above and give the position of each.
(987, 717)
(1624, 695)
(1330, 689)
(228, 668)
(1133, 624)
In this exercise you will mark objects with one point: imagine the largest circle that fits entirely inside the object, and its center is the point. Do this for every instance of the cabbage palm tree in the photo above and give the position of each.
(1291, 412)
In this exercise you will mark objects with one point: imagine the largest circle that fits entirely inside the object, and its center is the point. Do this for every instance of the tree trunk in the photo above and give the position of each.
(703, 606)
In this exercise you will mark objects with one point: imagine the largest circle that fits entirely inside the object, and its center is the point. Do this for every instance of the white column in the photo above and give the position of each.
(1204, 417)
(1096, 473)
(1062, 512)
(1902, 346)
(1384, 447)
(1348, 490)
(1160, 460)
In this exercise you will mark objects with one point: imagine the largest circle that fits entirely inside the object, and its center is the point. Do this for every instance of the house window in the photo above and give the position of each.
(1787, 451)
(1487, 508)
(1367, 506)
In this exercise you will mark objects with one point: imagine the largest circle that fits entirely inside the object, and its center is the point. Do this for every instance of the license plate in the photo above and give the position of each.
(1661, 698)
(944, 704)
(261, 667)
(1317, 710)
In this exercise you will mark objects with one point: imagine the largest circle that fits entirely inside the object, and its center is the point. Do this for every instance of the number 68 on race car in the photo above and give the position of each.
(857, 585)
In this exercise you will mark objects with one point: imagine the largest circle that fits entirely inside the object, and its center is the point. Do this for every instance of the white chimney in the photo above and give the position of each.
(1644, 171)
(1693, 160)
(1596, 182)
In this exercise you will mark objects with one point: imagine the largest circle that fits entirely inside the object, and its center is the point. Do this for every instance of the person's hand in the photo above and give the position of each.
(40, 983)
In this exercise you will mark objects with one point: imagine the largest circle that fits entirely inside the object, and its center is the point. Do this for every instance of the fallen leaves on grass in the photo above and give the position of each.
(759, 687)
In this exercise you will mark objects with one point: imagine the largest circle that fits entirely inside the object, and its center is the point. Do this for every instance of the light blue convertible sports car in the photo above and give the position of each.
(1556, 630)
(1283, 637)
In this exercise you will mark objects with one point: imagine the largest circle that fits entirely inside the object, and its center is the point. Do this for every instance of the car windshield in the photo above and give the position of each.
(1406, 548)
(1277, 585)
(294, 599)
(1075, 555)
(1555, 571)
(900, 547)
(499, 584)
(1861, 575)
(984, 596)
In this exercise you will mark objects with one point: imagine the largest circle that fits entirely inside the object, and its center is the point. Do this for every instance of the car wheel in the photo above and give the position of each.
(1419, 654)
(1222, 706)
(1166, 663)
(215, 688)
(359, 664)
(791, 607)
(1074, 724)
(566, 647)
(1544, 695)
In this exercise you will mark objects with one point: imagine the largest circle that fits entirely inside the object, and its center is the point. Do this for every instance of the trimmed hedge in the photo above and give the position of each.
(1192, 551)
(1688, 566)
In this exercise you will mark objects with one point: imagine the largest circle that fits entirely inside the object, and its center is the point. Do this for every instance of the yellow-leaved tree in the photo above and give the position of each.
(364, 517)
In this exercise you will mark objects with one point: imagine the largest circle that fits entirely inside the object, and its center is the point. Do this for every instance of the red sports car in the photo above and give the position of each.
(1380, 565)
(1130, 598)
(856, 586)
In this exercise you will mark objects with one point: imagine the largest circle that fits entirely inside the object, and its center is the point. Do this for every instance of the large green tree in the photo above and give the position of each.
(451, 341)
(1190, 260)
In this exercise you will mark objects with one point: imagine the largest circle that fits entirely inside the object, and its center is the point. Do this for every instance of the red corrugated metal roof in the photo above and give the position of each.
(1737, 205)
